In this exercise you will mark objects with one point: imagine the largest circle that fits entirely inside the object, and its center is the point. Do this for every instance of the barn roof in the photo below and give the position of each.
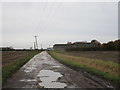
(60, 45)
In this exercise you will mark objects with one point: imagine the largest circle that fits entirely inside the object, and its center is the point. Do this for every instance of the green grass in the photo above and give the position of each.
(115, 78)
(7, 71)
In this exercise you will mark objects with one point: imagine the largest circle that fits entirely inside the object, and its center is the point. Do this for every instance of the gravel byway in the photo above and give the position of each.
(43, 71)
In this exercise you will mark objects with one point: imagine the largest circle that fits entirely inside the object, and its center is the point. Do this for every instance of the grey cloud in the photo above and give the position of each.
(58, 22)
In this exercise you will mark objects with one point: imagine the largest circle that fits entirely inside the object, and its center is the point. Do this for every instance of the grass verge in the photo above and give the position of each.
(105, 69)
(7, 71)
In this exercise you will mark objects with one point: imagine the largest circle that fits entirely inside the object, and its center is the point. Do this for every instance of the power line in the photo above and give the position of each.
(53, 12)
(41, 19)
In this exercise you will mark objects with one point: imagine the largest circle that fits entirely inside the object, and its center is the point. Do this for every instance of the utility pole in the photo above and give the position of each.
(36, 44)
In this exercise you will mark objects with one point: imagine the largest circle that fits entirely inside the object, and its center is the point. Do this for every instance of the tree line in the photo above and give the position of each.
(109, 46)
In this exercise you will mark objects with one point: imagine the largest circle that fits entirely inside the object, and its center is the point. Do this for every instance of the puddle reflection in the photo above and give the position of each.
(49, 79)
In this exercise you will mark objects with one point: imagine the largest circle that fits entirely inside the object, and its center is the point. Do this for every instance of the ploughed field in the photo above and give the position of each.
(8, 57)
(99, 55)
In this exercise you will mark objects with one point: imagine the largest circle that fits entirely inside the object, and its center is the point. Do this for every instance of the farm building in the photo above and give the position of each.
(93, 43)
(59, 46)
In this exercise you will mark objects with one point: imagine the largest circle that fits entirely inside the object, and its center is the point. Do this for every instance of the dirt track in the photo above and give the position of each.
(42, 71)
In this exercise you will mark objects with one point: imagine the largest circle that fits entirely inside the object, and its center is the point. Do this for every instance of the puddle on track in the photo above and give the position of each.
(49, 79)
(28, 80)
(56, 66)
(30, 69)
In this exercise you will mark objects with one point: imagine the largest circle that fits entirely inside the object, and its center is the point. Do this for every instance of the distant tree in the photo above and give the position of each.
(8, 48)
(104, 46)
(110, 45)
(117, 44)
(93, 41)
(97, 43)
(69, 42)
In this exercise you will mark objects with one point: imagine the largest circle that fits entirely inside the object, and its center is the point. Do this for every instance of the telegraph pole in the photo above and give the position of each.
(36, 44)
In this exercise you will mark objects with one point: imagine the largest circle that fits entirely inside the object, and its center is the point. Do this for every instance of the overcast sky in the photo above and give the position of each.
(58, 22)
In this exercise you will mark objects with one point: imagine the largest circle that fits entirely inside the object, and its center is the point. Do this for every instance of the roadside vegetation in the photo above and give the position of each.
(107, 69)
(14, 65)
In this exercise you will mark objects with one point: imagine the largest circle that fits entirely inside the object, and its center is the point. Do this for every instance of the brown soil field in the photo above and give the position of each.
(8, 57)
(100, 55)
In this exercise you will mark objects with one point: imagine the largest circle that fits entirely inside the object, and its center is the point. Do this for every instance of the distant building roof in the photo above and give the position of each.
(60, 45)
(81, 43)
